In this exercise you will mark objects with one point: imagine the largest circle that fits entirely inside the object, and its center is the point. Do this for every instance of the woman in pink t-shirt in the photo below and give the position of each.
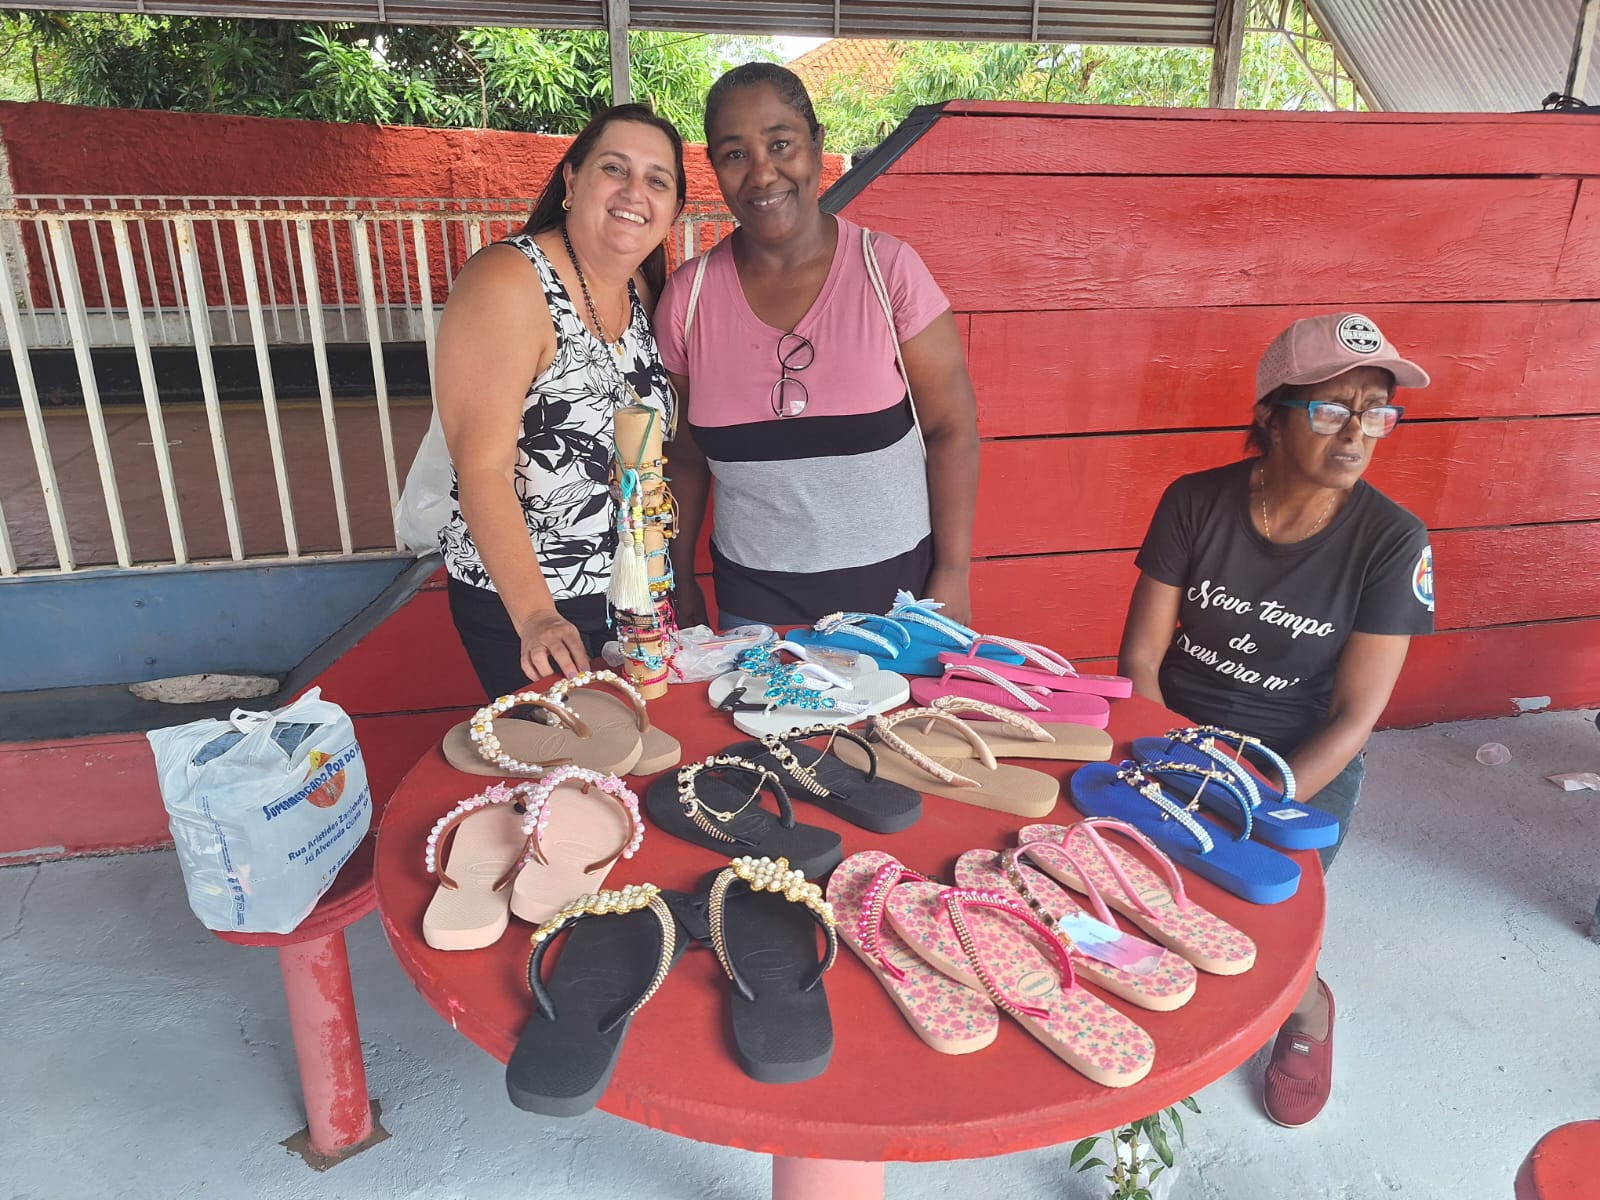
(784, 359)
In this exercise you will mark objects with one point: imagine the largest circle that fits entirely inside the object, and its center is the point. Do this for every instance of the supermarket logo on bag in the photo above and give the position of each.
(323, 786)
(328, 794)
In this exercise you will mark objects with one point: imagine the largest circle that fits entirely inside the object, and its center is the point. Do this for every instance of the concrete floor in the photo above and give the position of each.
(140, 1057)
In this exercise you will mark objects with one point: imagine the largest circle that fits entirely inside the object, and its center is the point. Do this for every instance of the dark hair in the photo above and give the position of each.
(547, 211)
(782, 80)
(1256, 437)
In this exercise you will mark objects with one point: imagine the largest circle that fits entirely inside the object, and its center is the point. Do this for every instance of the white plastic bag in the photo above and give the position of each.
(425, 505)
(265, 808)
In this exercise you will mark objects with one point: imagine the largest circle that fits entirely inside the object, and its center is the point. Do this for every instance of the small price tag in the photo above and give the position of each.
(1107, 944)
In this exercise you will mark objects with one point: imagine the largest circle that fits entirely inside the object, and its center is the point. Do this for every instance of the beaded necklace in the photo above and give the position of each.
(588, 300)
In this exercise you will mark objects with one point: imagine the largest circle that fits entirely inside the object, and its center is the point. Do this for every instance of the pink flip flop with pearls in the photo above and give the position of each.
(578, 823)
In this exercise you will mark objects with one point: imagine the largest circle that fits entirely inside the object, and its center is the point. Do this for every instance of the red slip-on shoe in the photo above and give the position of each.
(1300, 1075)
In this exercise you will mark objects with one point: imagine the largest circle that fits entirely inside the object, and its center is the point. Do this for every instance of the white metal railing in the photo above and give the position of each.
(151, 274)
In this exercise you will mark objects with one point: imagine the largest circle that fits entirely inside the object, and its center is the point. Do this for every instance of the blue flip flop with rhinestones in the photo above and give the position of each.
(1278, 819)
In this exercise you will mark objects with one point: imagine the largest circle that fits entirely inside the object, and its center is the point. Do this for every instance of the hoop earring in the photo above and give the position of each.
(566, 204)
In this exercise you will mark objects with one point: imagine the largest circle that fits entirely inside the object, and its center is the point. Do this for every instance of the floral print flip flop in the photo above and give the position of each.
(985, 939)
(1080, 857)
(1160, 985)
(949, 1016)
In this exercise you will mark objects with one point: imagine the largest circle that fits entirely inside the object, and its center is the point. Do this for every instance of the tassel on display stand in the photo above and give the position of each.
(643, 514)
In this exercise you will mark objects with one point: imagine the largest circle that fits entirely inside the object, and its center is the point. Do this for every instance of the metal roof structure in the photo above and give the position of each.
(1418, 56)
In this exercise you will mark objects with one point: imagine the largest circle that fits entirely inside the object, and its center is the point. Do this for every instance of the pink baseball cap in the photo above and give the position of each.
(1318, 348)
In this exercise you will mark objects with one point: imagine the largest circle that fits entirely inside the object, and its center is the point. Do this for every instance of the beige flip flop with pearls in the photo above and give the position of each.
(582, 728)
(1009, 734)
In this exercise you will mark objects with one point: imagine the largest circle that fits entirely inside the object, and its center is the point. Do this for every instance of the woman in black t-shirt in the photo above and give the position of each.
(1277, 597)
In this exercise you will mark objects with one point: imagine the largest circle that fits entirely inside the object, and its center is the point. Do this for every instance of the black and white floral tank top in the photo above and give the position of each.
(564, 452)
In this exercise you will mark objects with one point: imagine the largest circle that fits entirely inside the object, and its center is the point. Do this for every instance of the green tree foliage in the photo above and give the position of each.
(1270, 76)
(547, 81)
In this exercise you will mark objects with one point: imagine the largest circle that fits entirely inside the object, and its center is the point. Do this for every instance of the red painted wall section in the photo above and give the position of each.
(1119, 271)
(61, 149)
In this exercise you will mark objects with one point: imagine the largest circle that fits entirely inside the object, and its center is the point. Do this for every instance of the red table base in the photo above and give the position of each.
(825, 1179)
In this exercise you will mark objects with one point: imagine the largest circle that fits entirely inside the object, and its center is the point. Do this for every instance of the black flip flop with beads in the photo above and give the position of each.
(853, 795)
(699, 804)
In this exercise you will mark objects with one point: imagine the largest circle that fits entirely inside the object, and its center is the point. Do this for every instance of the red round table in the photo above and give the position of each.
(886, 1096)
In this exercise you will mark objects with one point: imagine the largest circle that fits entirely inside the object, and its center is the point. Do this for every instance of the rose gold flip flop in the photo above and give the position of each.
(972, 779)
(577, 824)
(1009, 734)
(1080, 857)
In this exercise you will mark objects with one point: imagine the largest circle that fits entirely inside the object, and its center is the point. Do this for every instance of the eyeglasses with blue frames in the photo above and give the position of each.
(1329, 417)
(789, 396)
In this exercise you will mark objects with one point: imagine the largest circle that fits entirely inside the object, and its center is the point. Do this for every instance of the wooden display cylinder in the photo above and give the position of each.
(637, 433)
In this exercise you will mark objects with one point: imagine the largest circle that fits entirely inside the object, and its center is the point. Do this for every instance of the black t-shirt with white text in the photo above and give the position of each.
(1261, 626)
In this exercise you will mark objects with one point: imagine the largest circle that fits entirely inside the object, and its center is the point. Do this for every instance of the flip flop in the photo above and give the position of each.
(932, 634)
(847, 665)
(607, 971)
(1009, 734)
(590, 730)
(859, 797)
(1247, 869)
(763, 918)
(973, 682)
(878, 637)
(577, 824)
(974, 779)
(699, 806)
(1080, 857)
(949, 1016)
(983, 939)
(474, 849)
(1148, 975)
(809, 693)
(1043, 668)
(626, 711)
(1279, 820)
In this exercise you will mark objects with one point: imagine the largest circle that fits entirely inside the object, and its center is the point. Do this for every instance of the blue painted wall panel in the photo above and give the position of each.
(115, 627)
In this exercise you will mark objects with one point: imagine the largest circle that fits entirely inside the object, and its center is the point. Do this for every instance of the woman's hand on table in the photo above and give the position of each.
(550, 643)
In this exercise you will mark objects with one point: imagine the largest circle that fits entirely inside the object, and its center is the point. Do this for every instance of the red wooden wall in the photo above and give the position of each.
(1117, 273)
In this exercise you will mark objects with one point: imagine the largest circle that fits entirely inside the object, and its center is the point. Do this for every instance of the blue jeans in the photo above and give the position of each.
(1339, 799)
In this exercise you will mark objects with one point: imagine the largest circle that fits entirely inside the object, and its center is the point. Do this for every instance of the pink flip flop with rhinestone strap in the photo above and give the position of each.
(1080, 857)
(984, 939)
(949, 1016)
(1164, 984)
(1042, 667)
(977, 681)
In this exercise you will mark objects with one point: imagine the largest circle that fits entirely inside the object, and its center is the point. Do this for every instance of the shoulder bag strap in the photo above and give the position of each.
(875, 274)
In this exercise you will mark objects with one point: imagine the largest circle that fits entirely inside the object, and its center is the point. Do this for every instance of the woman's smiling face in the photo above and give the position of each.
(767, 163)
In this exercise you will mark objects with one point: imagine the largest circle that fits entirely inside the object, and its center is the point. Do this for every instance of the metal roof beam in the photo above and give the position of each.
(1583, 48)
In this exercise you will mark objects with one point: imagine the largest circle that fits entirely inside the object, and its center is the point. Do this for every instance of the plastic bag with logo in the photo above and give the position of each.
(265, 808)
